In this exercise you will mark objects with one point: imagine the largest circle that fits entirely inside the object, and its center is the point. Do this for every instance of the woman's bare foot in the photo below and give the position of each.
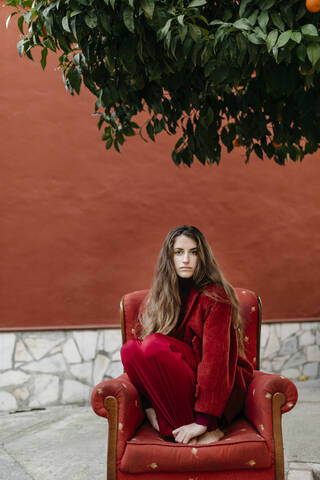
(193, 441)
(152, 417)
(208, 437)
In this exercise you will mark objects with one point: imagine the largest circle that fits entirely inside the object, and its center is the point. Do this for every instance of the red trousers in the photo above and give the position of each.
(162, 368)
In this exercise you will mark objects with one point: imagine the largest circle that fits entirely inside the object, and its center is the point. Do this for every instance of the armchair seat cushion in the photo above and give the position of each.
(242, 447)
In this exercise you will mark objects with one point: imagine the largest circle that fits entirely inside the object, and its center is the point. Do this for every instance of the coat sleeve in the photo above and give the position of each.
(217, 367)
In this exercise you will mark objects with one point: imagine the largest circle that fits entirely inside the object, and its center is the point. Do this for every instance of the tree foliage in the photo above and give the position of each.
(215, 72)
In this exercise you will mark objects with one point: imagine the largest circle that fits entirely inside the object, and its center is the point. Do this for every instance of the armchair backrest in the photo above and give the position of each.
(250, 306)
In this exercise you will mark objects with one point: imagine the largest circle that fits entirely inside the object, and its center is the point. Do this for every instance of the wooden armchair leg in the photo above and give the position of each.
(111, 405)
(278, 399)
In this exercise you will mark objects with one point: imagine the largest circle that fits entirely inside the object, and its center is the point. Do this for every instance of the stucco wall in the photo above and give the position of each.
(81, 226)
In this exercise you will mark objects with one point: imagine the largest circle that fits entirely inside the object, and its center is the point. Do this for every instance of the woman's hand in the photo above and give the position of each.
(185, 433)
(152, 417)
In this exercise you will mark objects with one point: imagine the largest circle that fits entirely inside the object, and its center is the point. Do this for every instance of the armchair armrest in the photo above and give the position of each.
(118, 400)
(266, 394)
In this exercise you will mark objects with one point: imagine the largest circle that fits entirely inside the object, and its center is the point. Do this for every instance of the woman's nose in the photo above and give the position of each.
(186, 258)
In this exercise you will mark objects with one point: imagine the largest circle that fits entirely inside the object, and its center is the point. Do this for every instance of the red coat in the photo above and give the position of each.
(222, 374)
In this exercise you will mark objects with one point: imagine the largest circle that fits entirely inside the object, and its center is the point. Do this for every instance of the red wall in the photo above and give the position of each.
(80, 226)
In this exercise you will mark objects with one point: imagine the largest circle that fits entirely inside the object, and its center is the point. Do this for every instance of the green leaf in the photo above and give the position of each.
(163, 31)
(271, 39)
(197, 3)
(9, 18)
(266, 4)
(150, 131)
(74, 77)
(20, 47)
(242, 24)
(180, 19)
(44, 54)
(65, 24)
(277, 21)
(301, 52)
(296, 37)
(109, 143)
(91, 19)
(195, 32)
(253, 17)
(258, 151)
(128, 18)
(313, 52)
(183, 32)
(75, 12)
(148, 8)
(284, 38)
(310, 29)
(243, 6)
(73, 28)
(255, 39)
(20, 24)
(263, 19)
(217, 22)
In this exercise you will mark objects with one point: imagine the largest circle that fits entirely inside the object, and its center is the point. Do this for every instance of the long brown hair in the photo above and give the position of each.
(162, 306)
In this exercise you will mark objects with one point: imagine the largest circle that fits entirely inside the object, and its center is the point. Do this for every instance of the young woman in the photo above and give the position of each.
(188, 362)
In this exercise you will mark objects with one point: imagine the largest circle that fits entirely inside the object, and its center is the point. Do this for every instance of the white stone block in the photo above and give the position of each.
(7, 342)
(288, 329)
(87, 343)
(311, 369)
(21, 393)
(70, 352)
(75, 392)
(291, 373)
(100, 343)
(278, 363)
(318, 337)
(115, 369)
(313, 353)
(300, 475)
(40, 346)
(82, 371)
(273, 345)
(116, 356)
(7, 401)
(289, 346)
(307, 338)
(101, 364)
(309, 325)
(296, 360)
(13, 377)
(52, 364)
(21, 353)
(46, 390)
(112, 340)
(266, 365)
(265, 332)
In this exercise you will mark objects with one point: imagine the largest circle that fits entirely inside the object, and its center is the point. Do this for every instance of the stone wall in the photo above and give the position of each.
(44, 368)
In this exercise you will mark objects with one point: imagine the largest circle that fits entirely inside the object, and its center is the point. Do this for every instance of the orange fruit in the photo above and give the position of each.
(276, 145)
(313, 5)
(235, 142)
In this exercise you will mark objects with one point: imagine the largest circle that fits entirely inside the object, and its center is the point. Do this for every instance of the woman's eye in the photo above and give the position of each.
(178, 252)
(194, 252)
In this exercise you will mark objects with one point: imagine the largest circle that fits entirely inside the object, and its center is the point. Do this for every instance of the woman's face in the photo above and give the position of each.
(185, 256)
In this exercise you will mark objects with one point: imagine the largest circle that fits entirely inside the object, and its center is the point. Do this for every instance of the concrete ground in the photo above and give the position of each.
(66, 443)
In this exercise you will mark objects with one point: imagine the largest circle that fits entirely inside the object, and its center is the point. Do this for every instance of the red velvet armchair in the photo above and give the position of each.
(252, 447)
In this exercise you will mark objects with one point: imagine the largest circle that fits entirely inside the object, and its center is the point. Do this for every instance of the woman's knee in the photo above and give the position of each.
(153, 344)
